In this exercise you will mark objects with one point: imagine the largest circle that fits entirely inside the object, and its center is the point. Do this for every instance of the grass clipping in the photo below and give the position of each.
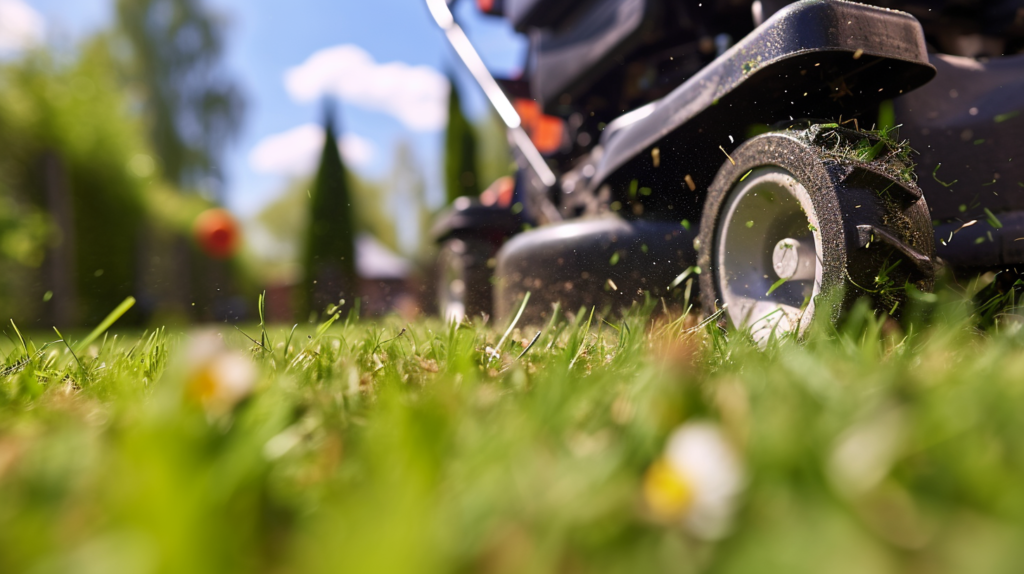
(882, 150)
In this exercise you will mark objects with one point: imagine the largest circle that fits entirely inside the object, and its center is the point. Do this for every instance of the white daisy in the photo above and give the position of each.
(218, 378)
(697, 480)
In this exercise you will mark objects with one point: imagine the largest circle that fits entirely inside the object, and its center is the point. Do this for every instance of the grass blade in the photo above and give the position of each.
(85, 374)
(106, 324)
(776, 285)
(21, 338)
(530, 346)
(522, 307)
(583, 339)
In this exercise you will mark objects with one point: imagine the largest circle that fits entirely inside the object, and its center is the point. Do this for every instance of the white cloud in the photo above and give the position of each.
(357, 150)
(296, 152)
(415, 95)
(21, 26)
(292, 153)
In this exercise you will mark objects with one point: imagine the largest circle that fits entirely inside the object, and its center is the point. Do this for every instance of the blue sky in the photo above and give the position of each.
(267, 38)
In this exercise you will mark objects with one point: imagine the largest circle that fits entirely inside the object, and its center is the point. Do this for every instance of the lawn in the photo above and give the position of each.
(644, 443)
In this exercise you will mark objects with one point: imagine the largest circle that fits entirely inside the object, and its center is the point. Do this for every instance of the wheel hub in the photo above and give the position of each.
(794, 260)
(768, 253)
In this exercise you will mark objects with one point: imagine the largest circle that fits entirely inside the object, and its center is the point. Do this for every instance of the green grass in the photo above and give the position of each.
(393, 447)
(879, 148)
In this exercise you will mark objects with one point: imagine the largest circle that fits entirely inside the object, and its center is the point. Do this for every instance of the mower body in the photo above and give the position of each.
(654, 96)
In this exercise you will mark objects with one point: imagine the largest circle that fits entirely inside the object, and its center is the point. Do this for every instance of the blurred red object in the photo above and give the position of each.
(492, 7)
(217, 233)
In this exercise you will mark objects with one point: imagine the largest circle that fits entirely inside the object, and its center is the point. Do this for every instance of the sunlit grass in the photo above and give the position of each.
(395, 447)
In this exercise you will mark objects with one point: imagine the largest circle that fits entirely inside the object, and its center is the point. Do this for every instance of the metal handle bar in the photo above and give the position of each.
(444, 18)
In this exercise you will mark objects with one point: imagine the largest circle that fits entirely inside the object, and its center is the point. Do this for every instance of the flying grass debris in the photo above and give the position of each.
(964, 226)
(968, 224)
(936, 176)
(732, 161)
(992, 220)
(694, 270)
(1000, 118)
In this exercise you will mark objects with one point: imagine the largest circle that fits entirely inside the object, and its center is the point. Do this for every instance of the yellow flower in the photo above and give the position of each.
(696, 481)
(667, 492)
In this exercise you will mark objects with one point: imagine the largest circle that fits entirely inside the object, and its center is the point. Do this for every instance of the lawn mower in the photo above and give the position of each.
(754, 157)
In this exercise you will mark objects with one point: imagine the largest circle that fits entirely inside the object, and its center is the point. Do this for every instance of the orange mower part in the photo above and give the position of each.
(546, 132)
(217, 233)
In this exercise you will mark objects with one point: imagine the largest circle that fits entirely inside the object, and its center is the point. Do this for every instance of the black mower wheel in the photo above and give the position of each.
(802, 223)
(464, 278)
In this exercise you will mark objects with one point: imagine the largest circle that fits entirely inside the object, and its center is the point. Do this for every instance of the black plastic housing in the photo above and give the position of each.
(603, 262)
(814, 59)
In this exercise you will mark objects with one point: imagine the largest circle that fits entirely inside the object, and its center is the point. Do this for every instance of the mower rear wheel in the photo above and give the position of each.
(799, 224)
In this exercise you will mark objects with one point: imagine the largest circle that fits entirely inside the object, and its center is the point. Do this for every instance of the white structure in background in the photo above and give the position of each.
(375, 262)
(384, 279)
(384, 284)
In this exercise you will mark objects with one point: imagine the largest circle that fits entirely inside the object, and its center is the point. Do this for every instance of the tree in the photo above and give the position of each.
(64, 147)
(192, 108)
(330, 259)
(494, 158)
(460, 150)
(407, 188)
(85, 220)
(285, 222)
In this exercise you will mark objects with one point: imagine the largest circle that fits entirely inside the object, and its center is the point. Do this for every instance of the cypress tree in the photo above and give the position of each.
(460, 150)
(330, 260)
